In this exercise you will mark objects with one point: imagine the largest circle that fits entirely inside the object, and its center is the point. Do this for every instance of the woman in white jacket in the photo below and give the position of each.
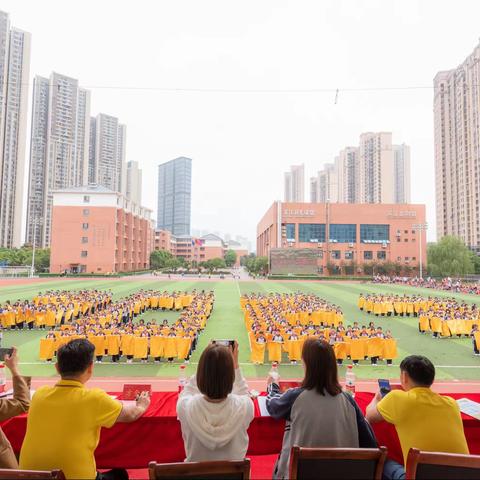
(215, 408)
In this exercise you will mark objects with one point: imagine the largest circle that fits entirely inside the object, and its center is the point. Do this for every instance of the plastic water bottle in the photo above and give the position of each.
(273, 373)
(3, 378)
(182, 379)
(350, 379)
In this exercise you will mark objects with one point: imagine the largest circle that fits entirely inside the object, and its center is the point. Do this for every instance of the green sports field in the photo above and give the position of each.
(453, 357)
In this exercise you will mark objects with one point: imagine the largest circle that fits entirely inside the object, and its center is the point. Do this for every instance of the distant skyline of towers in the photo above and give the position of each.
(174, 196)
(14, 85)
(59, 150)
(457, 150)
(68, 148)
(294, 184)
(374, 172)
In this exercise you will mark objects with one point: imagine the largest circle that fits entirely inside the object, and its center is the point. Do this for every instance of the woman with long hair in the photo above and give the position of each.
(215, 408)
(318, 414)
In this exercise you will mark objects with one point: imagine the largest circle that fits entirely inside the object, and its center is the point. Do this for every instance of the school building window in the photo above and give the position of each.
(336, 254)
(381, 255)
(86, 211)
(367, 255)
(311, 232)
(85, 226)
(86, 199)
(348, 255)
(290, 232)
(84, 253)
(343, 233)
(84, 239)
(374, 233)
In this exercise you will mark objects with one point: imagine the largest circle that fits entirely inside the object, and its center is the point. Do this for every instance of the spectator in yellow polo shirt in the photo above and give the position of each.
(423, 419)
(64, 421)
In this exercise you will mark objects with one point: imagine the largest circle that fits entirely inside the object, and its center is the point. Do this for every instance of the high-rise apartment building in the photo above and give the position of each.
(294, 184)
(347, 164)
(401, 173)
(134, 182)
(374, 172)
(59, 148)
(106, 165)
(313, 189)
(328, 184)
(174, 196)
(14, 77)
(92, 163)
(457, 150)
(376, 168)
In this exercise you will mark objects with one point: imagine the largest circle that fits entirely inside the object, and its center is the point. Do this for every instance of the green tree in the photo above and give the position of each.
(476, 264)
(261, 265)
(450, 257)
(249, 263)
(213, 264)
(173, 263)
(159, 259)
(247, 259)
(216, 264)
(23, 257)
(230, 258)
(370, 268)
(397, 268)
(42, 260)
(351, 267)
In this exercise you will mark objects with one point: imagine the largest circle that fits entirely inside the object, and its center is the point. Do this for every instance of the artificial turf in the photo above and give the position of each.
(453, 357)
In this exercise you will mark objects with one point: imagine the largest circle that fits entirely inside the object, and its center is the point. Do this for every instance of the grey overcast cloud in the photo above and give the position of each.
(250, 73)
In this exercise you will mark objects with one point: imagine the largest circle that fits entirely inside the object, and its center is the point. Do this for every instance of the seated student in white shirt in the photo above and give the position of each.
(215, 408)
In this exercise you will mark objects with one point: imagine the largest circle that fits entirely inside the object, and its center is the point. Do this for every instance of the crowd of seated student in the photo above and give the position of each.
(443, 317)
(52, 307)
(279, 323)
(215, 411)
(447, 283)
(114, 333)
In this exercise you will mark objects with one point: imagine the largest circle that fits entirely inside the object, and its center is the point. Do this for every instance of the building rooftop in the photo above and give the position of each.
(86, 189)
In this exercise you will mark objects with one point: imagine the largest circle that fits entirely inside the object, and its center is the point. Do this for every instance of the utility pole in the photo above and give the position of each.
(36, 221)
(420, 227)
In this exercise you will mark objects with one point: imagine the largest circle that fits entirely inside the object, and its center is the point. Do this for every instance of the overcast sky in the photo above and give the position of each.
(242, 142)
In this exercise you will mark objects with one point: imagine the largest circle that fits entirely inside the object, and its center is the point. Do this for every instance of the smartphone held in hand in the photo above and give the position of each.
(384, 385)
(225, 343)
(5, 351)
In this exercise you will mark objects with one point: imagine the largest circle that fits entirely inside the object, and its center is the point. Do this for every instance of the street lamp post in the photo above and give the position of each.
(36, 222)
(420, 227)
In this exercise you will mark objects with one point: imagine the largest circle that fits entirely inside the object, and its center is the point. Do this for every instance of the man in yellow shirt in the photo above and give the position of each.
(423, 419)
(64, 421)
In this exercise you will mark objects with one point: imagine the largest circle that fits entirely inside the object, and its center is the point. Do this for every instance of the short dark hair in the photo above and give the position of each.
(75, 357)
(321, 373)
(216, 372)
(420, 369)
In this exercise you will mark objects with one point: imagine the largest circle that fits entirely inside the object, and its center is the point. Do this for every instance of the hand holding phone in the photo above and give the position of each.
(225, 343)
(4, 352)
(384, 385)
(9, 356)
